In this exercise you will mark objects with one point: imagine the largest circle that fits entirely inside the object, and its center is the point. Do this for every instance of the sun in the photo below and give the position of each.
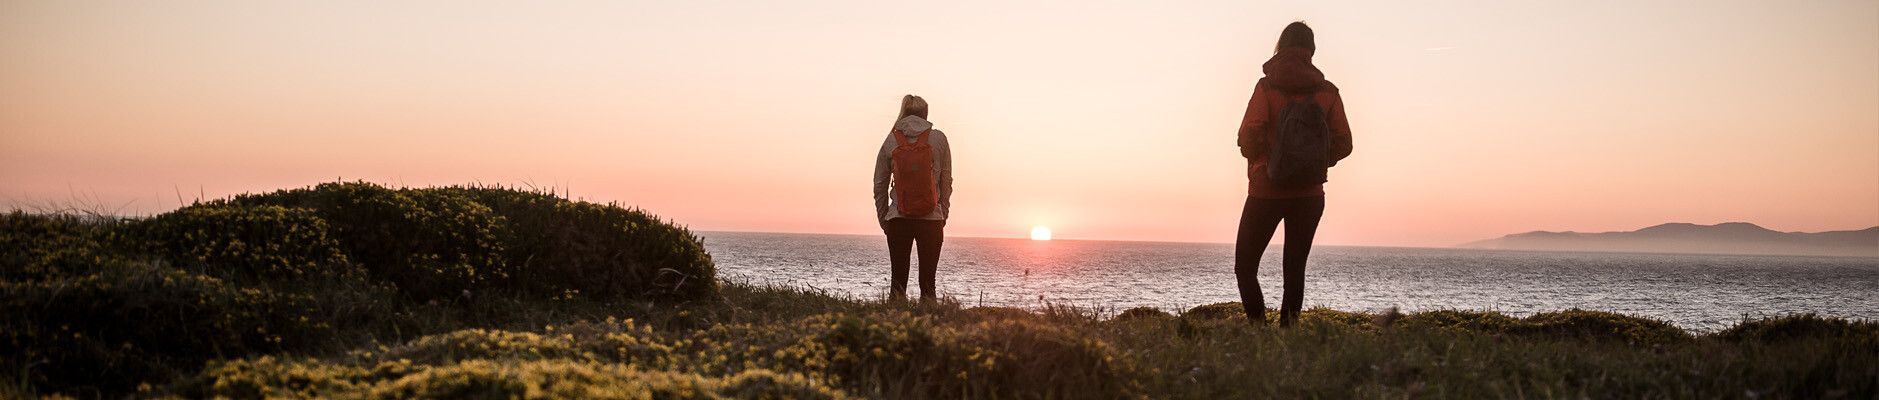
(1040, 233)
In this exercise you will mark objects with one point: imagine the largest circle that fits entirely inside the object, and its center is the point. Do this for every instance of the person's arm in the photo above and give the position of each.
(1340, 130)
(883, 162)
(943, 156)
(1251, 142)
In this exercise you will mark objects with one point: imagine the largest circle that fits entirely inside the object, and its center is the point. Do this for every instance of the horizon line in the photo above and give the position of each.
(1063, 239)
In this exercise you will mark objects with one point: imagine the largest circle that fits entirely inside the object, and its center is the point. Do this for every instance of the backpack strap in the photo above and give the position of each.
(923, 135)
(900, 139)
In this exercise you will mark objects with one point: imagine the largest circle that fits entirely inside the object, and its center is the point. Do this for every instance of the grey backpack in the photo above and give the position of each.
(1301, 145)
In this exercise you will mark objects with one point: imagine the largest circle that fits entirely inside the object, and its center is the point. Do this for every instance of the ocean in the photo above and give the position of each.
(1698, 292)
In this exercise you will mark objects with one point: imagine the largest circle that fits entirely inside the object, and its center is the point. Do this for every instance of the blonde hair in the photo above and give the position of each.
(912, 105)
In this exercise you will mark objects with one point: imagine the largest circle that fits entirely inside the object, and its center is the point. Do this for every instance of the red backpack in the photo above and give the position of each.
(914, 194)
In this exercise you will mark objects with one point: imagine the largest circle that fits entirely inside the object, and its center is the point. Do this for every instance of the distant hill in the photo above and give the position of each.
(1725, 238)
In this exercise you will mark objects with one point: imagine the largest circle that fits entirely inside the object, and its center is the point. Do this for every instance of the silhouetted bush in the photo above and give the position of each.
(134, 321)
(274, 377)
(1486, 322)
(1800, 326)
(1150, 313)
(1352, 319)
(245, 242)
(987, 312)
(487, 379)
(104, 304)
(546, 379)
(499, 364)
(34, 247)
(1030, 359)
(899, 355)
(430, 244)
(472, 344)
(1216, 311)
(441, 242)
(599, 250)
(770, 385)
(1601, 325)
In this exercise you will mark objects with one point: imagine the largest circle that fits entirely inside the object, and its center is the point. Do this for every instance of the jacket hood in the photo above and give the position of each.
(912, 126)
(1290, 70)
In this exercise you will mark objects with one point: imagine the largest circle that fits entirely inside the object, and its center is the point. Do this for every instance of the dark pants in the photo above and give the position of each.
(902, 233)
(1257, 222)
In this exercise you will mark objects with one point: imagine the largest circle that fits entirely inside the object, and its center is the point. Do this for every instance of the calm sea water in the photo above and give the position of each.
(1702, 292)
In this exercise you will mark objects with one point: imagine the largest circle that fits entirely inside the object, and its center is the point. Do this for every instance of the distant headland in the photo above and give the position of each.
(1724, 238)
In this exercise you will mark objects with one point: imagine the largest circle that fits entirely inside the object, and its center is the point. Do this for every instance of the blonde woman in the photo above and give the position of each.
(913, 188)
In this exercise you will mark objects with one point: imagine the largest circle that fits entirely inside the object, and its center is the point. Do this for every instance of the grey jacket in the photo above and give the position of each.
(884, 190)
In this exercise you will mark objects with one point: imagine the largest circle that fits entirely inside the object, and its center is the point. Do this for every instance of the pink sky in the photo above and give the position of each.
(1102, 120)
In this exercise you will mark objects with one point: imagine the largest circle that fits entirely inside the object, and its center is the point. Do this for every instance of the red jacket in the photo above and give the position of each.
(1289, 76)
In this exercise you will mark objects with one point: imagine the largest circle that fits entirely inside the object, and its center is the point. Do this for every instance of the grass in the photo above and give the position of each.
(278, 298)
(820, 346)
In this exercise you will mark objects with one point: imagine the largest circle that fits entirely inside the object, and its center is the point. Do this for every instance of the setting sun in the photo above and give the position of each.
(1040, 233)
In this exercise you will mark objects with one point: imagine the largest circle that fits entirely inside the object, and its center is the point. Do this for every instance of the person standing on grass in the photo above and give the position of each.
(913, 188)
(1293, 131)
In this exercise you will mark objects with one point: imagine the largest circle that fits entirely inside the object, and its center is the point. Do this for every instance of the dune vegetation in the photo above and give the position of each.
(354, 290)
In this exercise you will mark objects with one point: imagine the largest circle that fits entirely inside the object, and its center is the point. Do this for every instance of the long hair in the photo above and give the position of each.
(1296, 34)
(912, 105)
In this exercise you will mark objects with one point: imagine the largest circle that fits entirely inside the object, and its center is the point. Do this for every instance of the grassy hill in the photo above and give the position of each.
(353, 290)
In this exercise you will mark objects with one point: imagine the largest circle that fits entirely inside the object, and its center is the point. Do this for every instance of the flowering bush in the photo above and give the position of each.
(604, 251)
(441, 242)
(245, 242)
(35, 247)
(430, 244)
(131, 321)
(901, 355)
(107, 303)
(1602, 325)
(1799, 327)
(481, 378)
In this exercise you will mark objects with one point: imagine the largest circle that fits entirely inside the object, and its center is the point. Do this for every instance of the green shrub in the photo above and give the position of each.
(103, 303)
(599, 250)
(897, 356)
(547, 379)
(986, 313)
(1601, 325)
(612, 340)
(271, 377)
(245, 242)
(763, 384)
(134, 321)
(487, 379)
(1143, 313)
(1349, 319)
(1029, 359)
(1799, 326)
(473, 344)
(900, 355)
(1483, 322)
(34, 246)
(623, 342)
(444, 242)
(1216, 311)
(430, 244)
